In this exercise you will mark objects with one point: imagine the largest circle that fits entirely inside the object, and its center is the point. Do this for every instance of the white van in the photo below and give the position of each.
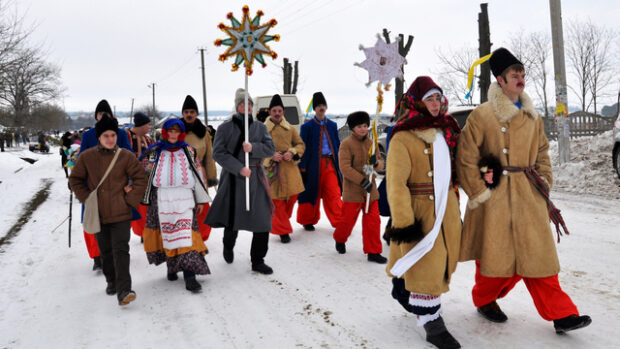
(292, 111)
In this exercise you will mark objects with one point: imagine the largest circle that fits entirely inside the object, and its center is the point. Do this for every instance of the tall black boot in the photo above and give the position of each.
(258, 251)
(191, 284)
(438, 335)
(229, 240)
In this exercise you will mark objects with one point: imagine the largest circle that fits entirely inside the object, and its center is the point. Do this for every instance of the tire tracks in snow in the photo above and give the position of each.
(37, 199)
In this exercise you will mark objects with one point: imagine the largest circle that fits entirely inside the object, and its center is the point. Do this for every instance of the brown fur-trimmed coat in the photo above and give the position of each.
(286, 138)
(506, 228)
(410, 160)
(352, 157)
(204, 150)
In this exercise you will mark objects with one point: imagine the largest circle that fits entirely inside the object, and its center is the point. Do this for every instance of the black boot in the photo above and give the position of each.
(191, 284)
(438, 335)
(377, 258)
(570, 323)
(110, 290)
(262, 268)
(309, 227)
(229, 255)
(341, 247)
(126, 297)
(172, 277)
(97, 263)
(286, 238)
(493, 312)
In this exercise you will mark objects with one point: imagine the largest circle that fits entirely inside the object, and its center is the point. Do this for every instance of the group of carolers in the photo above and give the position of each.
(502, 157)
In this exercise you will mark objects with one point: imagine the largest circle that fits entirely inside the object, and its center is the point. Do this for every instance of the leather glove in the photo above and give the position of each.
(212, 182)
(366, 185)
(373, 160)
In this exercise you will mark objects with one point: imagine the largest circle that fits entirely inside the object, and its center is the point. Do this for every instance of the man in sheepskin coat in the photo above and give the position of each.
(503, 165)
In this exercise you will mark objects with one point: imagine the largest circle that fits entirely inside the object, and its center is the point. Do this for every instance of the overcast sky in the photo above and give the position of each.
(114, 49)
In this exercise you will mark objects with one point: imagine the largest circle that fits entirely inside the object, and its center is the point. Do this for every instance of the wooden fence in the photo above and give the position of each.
(581, 124)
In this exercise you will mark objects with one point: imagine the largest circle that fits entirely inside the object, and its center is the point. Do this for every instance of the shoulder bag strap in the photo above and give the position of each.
(105, 175)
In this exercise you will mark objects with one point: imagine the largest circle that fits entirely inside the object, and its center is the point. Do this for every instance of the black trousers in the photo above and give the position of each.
(258, 250)
(113, 241)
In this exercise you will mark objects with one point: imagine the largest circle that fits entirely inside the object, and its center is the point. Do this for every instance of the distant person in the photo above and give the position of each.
(115, 200)
(320, 169)
(140, 140)
(198, 138)
(229, 206)
(356, 166)
(504, 167)
(64, 149)
(282, 171)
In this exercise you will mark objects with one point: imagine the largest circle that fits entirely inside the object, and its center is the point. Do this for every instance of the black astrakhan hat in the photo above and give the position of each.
(106, 124)
(358, 118)
(140, 119)
(502, 59)
(318, 99)
(190, 103)
(276, 101)
(103, 106)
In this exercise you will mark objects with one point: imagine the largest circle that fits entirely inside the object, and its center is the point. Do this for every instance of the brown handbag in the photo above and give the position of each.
(91, 222)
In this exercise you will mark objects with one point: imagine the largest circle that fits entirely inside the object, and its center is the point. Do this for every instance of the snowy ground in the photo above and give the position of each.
(50, 298)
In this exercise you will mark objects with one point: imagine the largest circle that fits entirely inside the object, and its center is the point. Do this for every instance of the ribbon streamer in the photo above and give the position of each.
(470, 74)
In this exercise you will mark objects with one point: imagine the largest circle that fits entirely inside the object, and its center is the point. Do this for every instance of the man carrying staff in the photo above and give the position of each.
(282, 170)
(503, 165)
(229, 206)
(320, 168)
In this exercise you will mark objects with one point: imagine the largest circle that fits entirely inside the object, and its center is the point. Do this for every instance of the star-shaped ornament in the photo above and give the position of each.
(383, 62)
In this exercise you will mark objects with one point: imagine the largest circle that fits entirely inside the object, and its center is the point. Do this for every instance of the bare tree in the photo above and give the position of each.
(49, 117)
(579, 52)
(147, 109)
(29, 81)
(602, 66)
(12, 34)
(452, 75)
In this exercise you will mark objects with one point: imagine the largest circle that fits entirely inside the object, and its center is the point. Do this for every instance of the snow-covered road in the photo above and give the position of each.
(316, 298)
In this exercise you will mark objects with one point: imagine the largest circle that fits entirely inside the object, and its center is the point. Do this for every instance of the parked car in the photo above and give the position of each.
(292, 111)
(616, 151)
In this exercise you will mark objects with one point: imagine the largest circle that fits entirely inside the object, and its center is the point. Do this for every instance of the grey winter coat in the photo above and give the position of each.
(228, 207)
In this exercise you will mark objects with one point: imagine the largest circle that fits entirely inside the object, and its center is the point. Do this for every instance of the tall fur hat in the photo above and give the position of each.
(318, 99)
(190, 103)
(103, 106)
(276, 101)
(358, 118)
(502, 59)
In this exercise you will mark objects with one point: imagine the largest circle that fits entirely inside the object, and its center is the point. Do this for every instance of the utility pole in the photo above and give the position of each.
(152, 86)
(204, 84)
(131, 111)
(561, 97)
(484, 48)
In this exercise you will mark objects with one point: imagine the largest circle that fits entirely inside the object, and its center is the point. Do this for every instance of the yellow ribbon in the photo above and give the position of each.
(470, 74)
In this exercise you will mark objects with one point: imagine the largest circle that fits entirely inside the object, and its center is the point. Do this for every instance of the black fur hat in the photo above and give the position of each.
(358, 118)
(103, 106)
(502, 59)
(140, 119)
(276, 100)
(318, 99)
(190, 103)
(106, 124)
(491, 162)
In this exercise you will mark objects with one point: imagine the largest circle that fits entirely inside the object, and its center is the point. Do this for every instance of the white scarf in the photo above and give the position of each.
(441, 187)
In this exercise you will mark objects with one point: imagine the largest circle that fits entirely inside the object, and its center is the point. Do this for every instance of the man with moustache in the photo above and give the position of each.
(503, 165)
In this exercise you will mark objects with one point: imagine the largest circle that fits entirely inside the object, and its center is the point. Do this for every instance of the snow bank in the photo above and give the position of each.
(590, 170)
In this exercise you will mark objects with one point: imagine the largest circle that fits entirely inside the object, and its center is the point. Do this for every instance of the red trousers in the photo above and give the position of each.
(91, 245)
(138, 225)
(204, 229)
(551, 302)
(329, 191)
(371, 225)
(281, 220)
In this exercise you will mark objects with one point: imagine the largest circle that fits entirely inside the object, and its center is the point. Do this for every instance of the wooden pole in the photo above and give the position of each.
(375, 121)
(247, 155)
(484, 48)
(561, 96)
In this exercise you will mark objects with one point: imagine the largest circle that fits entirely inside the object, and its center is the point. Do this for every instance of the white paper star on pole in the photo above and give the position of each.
(383, 62)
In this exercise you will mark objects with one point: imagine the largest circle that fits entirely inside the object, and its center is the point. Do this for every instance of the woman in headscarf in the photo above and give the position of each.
(423, 197)
(176, 193)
